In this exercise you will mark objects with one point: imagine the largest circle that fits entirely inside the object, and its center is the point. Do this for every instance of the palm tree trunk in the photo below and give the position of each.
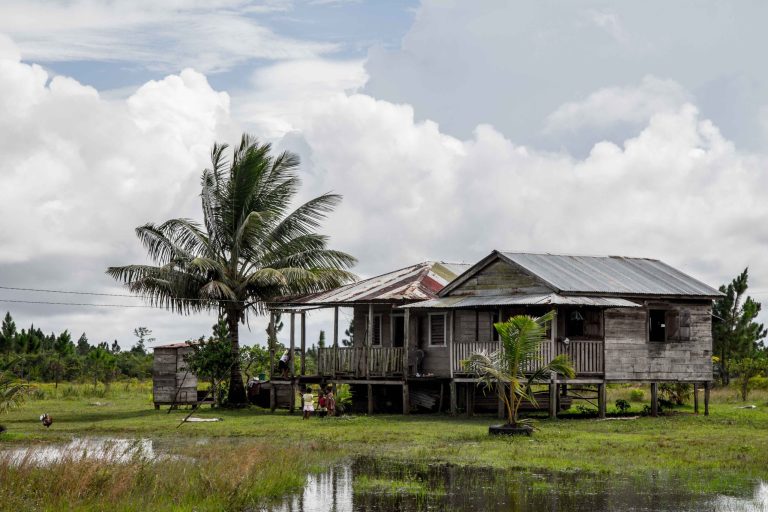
(236, 394)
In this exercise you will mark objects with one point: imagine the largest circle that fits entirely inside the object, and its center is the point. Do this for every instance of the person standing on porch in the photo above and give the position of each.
(282, 364)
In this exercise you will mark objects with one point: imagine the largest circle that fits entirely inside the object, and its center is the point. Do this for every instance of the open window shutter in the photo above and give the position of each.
(376, 330)
(437, 329)
(685, 325)
(592, 323)
(673, 325)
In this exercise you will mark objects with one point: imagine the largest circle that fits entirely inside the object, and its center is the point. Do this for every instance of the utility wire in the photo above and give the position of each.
(76, 304)
(97, 294)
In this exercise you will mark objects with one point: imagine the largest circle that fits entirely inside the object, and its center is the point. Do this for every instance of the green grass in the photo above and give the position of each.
(722, 452)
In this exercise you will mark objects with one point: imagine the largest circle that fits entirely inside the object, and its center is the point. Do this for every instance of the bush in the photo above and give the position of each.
(675, 394)
(637, 395)
(622, 405)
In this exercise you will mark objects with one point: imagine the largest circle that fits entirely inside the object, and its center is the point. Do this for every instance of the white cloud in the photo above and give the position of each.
(169, 35)
(634, 104)
(80, 172)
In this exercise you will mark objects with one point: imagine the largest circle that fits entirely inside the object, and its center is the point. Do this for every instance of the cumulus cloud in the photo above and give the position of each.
(608, 106)
(210, 36)
(80, 172)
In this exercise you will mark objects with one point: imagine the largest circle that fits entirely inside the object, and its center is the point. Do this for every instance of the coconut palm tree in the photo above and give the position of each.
(13, 391)
(517, 365)
(249, 249)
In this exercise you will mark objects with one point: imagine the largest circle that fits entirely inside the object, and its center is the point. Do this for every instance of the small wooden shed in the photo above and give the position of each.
(172, 383)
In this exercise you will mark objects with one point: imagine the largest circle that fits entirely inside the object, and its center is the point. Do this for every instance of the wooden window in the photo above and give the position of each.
(575, 322)
(376, 339)
(437, 329)
(678, 325)
(584, 323)
(398, 330)
(657, 325)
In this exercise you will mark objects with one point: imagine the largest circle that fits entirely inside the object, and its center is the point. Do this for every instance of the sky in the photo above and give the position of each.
(451, 129)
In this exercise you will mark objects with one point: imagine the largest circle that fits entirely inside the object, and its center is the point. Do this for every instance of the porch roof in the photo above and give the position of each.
(522, 300)
(417, 282)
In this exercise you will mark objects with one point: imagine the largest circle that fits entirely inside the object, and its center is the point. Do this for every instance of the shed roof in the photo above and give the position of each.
(175, 345)
(417, 282)
(603, 275)
(521, 300)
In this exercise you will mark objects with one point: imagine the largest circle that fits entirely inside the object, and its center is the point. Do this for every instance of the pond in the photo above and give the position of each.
(368, 484)
(108, 449)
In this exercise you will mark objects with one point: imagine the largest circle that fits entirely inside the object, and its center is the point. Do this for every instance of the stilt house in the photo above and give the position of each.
(618, 319)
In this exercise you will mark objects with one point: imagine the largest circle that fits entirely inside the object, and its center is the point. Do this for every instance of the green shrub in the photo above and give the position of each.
(637, 395)
(622, 405)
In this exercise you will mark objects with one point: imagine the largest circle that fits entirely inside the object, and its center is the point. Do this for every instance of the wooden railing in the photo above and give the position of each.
(351, 361)
(586, 355)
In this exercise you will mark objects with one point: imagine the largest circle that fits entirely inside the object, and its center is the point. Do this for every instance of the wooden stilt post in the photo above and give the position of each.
(452, 392)
(292, 367)
(369, 341)
(272, 397)
(695, 398)
(601, 400)
(654, 399)
(271, 344)
(406, 344)
(500, 407)
(335, 345)
(303, 343)
(468, 398)
(707, 386)
(370, 399)
(553, 395)
(406, 399)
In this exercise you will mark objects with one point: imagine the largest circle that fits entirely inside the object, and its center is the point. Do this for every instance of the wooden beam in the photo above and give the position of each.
(707, 386)
(369, 340)
(272, 398)
(271, 345)
(654, 399)
(553, 395)
(303, 343)
(406, 341)
(292, 348)
(406, 399)
(601, 400)
(452, 390)
(370, 399)
(335, 344)
(695, 398)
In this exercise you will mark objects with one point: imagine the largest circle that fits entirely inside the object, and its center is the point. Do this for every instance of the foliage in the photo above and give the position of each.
(505, 369)
(735, 332)
(249, 250)
(213, 359)
(101, 365)
(349, 334)
(622, 405)
(12, 390)
(637, 395)
(746, 370)
(676, 393)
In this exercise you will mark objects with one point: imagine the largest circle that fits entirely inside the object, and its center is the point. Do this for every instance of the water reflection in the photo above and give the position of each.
(377, 486)
(108, 449)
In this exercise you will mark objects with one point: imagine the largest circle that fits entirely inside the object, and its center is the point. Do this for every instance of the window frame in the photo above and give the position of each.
(445, 330)
(665, 312)
(381, 329)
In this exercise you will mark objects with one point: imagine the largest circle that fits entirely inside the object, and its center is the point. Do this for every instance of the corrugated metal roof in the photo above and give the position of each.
(414, 283)
(522, 300)
(610, 275)
(175, 345)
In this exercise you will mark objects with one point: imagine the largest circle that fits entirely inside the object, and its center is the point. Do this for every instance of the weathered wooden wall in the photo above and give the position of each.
(501, 278)
(171, 383)
(629, 356)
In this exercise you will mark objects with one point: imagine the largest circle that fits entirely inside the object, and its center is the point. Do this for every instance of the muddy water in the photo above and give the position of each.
(375, 485)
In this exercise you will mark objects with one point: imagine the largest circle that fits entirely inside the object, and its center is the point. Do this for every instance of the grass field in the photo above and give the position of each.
(722, 452)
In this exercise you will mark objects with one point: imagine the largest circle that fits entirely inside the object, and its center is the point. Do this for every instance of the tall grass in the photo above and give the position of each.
(219, 476)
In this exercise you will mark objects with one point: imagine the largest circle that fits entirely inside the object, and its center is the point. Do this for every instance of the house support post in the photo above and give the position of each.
(272, 397)
(303, 343)
(292, 366)
(553, 395)
(695, 398)
(707, 386)
(271, 345)
(501, 389)
(335, 360)
(370, 399)
(369, 341)
(654, 399)
(406, 400)
(452, 392)
(468, 399)
(406, 343)
(601, 400)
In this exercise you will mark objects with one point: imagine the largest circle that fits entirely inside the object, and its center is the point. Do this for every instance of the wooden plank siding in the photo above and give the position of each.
(171, 382)
(501, 278)
(630, 356)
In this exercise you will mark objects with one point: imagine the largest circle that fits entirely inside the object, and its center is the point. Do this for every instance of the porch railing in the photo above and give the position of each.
(586, 355)
(352, 361)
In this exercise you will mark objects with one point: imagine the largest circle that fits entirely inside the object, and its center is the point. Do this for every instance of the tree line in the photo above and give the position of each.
(31, 355)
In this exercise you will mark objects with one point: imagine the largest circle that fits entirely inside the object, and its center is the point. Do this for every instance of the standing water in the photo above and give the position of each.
(376, 485)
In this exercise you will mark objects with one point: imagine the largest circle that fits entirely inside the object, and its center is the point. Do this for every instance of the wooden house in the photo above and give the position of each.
(618, 319)
(172, 383)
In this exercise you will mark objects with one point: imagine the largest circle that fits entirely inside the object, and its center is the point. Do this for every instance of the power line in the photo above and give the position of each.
(76, 304)
(98, 294)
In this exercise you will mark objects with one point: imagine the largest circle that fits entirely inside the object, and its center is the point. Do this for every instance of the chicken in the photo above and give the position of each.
(46, 420)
